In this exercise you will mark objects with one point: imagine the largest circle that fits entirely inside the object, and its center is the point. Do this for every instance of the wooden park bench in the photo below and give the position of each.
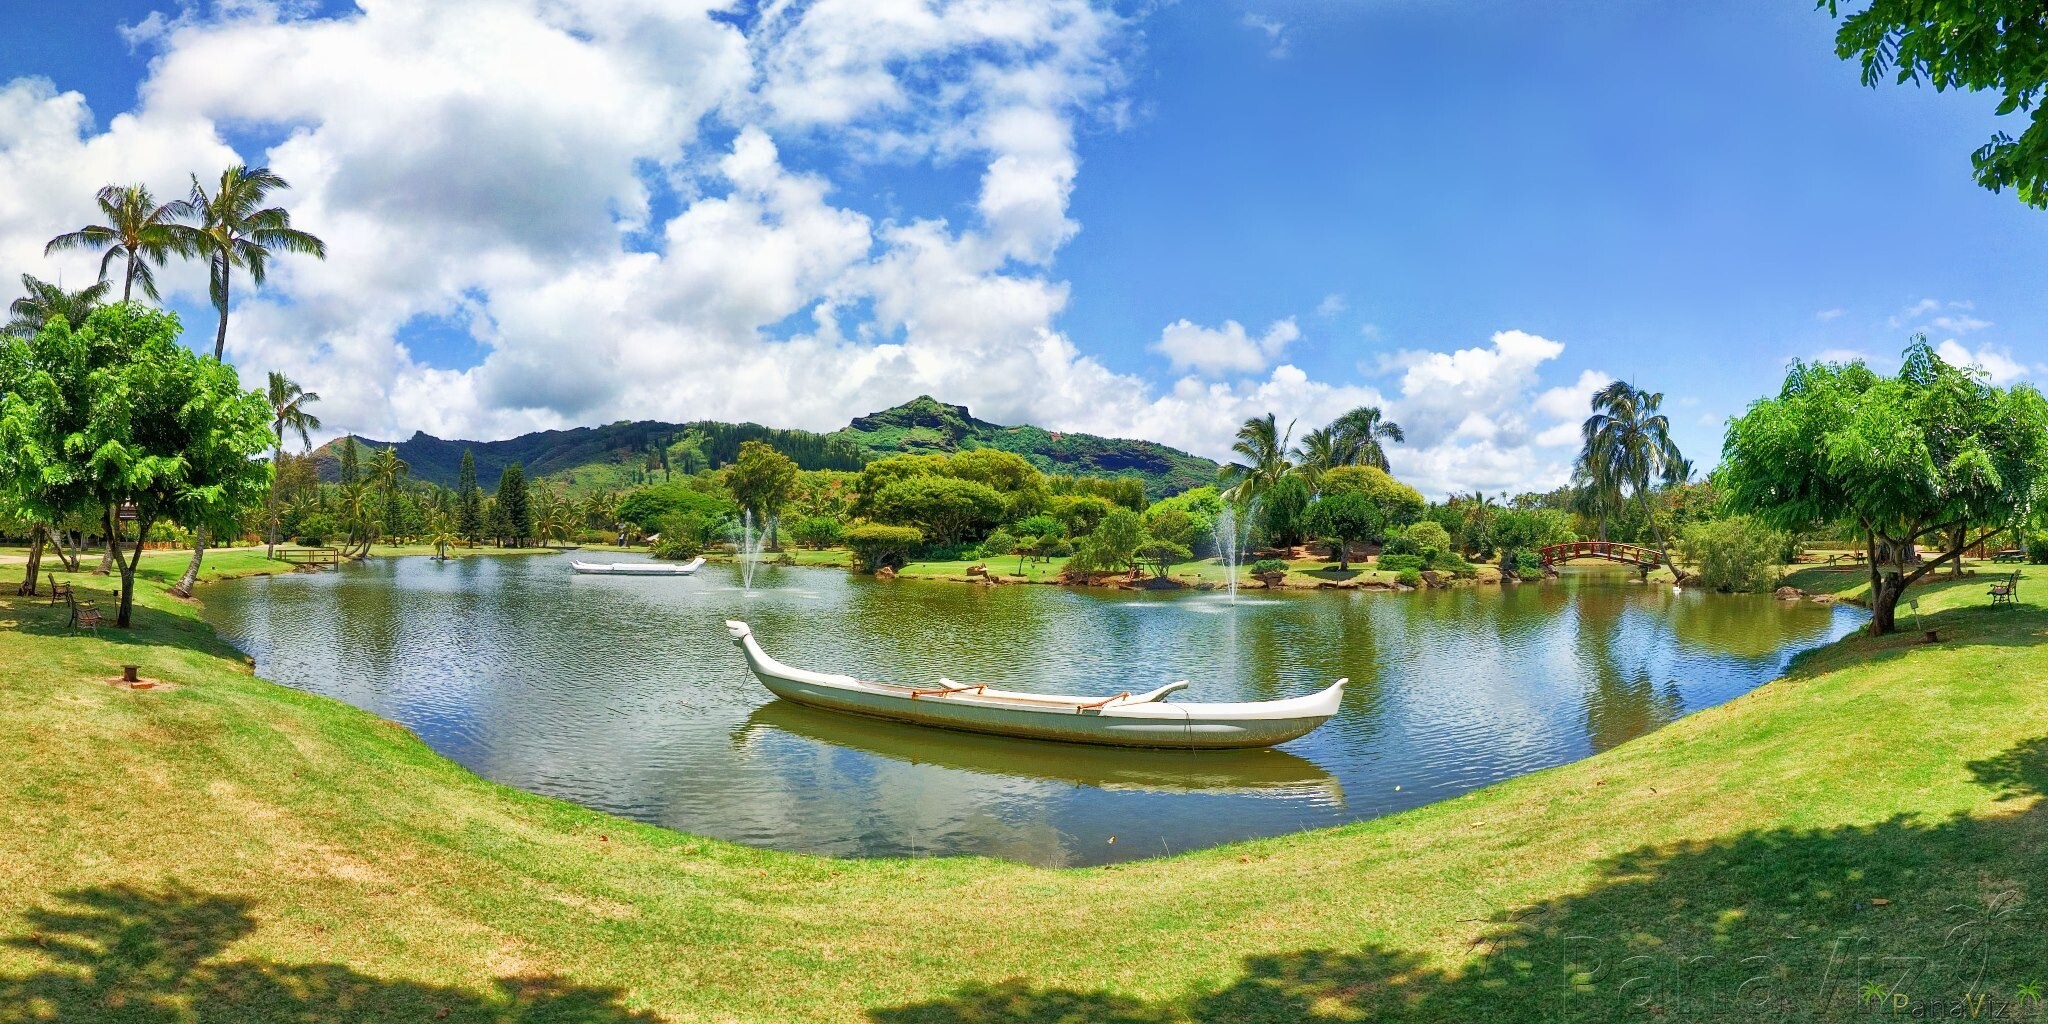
(2006, 592)
(59, 591)
(84, 614)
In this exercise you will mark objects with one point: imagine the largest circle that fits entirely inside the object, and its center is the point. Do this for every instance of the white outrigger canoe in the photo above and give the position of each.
(638, 568)
(1124, 720)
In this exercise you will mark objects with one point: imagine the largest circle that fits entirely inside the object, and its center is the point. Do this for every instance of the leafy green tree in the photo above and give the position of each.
(1203, 506)
(944, 509)
(1080, 514)
(879, 474)
(288, 415)
(1628, 447)
(762, 479)
(1907, 458)
(138, 230)
(1172, 525)
(1000, 543)
(1427, 536)
(515, 504)
(1519, 532)
(1994, 45)
(1734, 555)
(650, 508)
(876, 545)
(469, 510)
(1115, 542)
(1162, 555)
(167, 431)
(1283, 511)
(816, 532)
(1346, 518)
(1401, 503)
(1042, 526)
(42, 302)
(235, 229)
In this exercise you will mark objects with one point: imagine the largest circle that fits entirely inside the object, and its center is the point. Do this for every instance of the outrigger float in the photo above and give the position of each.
(1124, 720)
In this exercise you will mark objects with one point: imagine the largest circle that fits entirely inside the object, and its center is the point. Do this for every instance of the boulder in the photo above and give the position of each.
(885, 573)
(1789, 593)
(1434, 578)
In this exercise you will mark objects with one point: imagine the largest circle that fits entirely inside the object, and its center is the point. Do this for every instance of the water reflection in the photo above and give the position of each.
(624, 694)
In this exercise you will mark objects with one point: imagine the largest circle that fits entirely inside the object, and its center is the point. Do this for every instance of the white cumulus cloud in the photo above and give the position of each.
(1225, 349)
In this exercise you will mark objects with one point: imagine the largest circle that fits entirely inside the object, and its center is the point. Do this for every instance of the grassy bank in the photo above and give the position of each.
(224, 849)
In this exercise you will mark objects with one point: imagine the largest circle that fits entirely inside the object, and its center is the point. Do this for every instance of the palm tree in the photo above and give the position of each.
(236, 230)
(1356, 437)
(1264, 449)
(1317, 454)
(288, 415)
(138, 230)
(387, 472)
(44, 302)
(1628, 445)
(441, 533)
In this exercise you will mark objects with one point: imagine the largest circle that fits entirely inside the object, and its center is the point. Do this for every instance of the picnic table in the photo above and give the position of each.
(2010, 555)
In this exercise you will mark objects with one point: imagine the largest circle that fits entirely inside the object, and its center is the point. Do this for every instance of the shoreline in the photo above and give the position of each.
(353, 842)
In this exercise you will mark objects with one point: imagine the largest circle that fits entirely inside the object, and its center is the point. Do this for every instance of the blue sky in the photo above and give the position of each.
(1679, 195)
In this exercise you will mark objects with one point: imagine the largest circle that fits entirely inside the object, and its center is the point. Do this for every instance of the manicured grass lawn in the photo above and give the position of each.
(230, 850)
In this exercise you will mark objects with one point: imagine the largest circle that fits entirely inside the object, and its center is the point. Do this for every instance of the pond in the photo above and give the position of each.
(626, 694)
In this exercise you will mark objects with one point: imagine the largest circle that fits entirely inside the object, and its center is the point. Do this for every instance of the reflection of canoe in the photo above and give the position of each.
(1125, 720)
(637, 568)
(1163, 771)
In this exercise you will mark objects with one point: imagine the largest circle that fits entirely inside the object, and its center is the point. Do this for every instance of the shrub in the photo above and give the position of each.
(1115, 542)
(1425, 535)
(1526, 565)
(1268, 566)
(876, 545)
(999, 543)
(1410, 577)
(2037, 548)
(1283, 512)
(1400, 563)
(1453, 563)
(1734, 555)
(1399, 545)
(1041, 525)
(815, 532)
(678, 546)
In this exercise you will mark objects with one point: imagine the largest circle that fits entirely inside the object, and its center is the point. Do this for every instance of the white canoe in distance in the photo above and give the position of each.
(1124, 720)
(637, 568)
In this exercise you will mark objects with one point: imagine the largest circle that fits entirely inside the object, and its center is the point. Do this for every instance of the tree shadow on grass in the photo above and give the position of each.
(119, 954)
(2020, 625)
(1908, 918)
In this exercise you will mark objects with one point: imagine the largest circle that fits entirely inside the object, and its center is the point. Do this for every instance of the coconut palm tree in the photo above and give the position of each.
(1628, 446)
(139, 230)
(288, 415)
(1263, 447)
(1316, 454)
(44, 302)
(441, 533)
(235, 229)
(387, 472)
(1357, 436)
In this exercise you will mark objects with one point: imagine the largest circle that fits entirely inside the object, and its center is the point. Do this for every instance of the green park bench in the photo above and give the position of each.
(2006, 592)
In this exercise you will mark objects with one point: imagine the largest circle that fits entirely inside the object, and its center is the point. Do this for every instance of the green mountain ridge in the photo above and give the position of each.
(630, 453)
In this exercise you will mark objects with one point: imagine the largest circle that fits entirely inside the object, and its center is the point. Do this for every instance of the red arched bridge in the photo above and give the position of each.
(1613, 551)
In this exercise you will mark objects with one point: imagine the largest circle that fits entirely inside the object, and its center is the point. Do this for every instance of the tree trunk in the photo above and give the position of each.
(1664, 555)
(35, 564)
(66, 554)
(127, 616)
(1885, 591)
(191, 577)
(108, 556)
(220, 336)
(128, 283)
(270, 524)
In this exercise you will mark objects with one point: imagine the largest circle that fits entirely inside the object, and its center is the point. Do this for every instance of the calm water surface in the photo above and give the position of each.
(626, 695)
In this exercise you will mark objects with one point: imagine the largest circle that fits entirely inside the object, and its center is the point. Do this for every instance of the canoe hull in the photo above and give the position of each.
(1106, 729)
(1145, 721)
(636, 568)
